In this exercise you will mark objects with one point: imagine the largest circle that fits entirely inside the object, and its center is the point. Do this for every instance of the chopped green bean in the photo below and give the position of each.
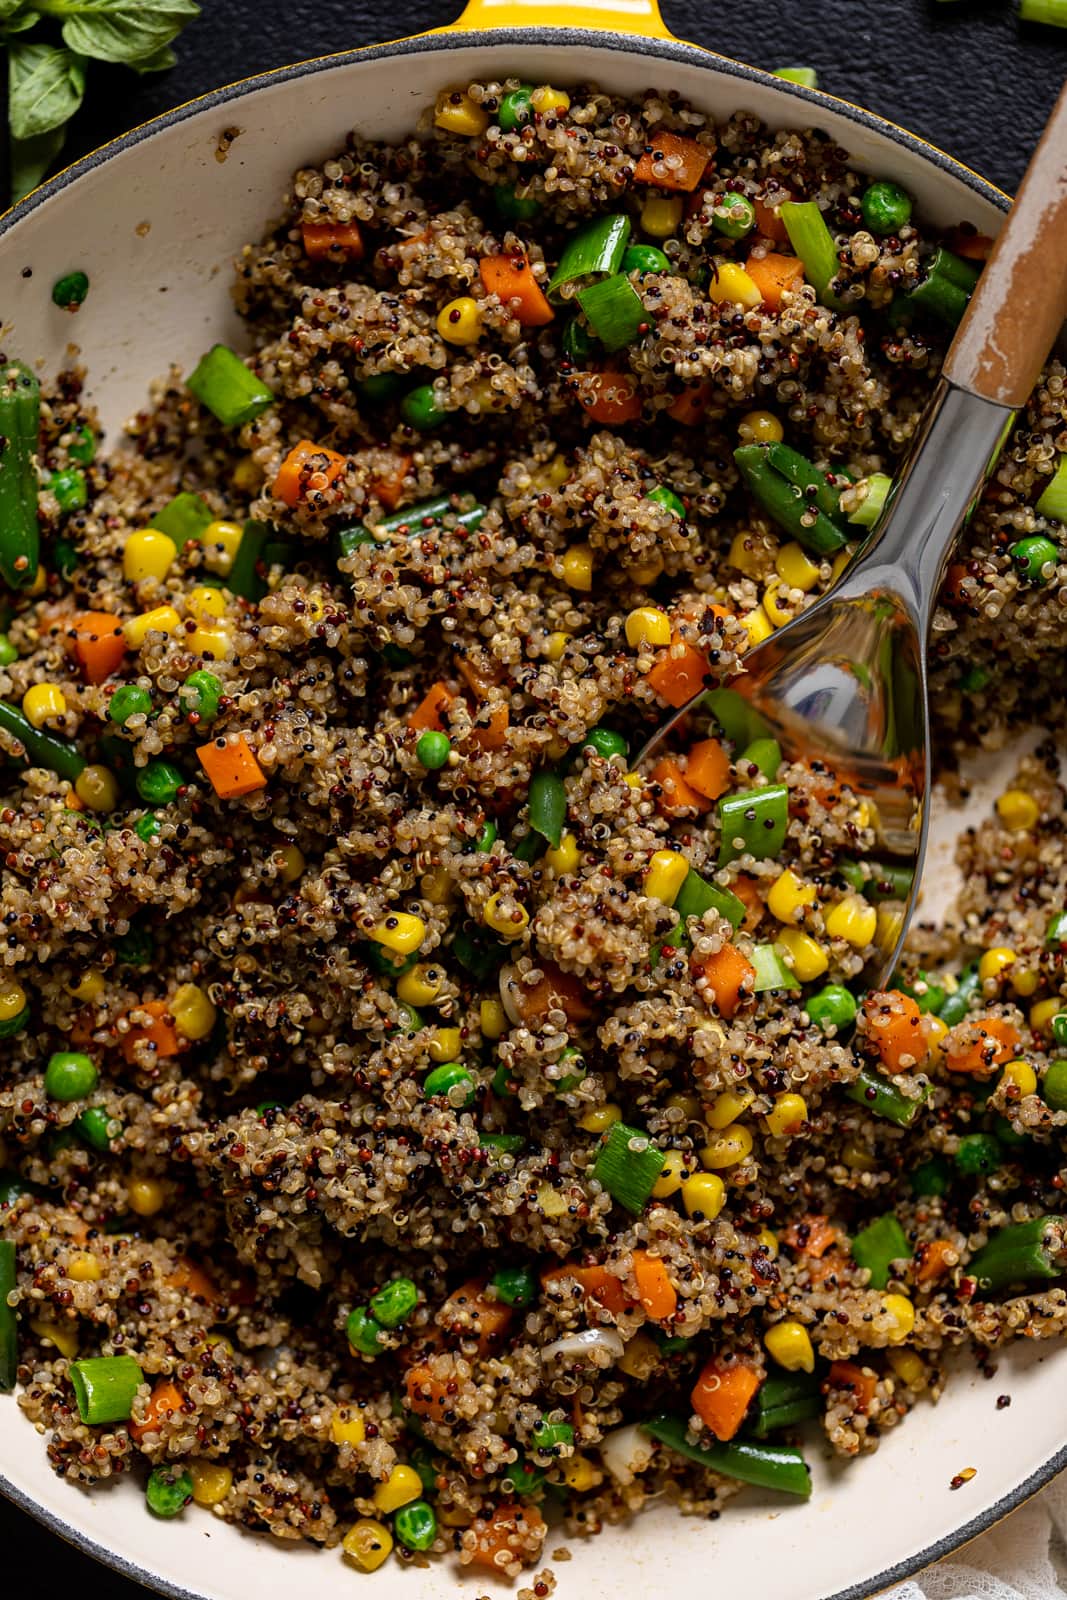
(20, 418)
(768, 1466)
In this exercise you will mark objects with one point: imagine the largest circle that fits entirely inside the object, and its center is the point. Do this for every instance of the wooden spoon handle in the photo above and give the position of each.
(1020, 304)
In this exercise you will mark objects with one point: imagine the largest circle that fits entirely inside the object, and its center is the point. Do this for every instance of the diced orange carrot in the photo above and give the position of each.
(499, 1540)
(609, 397)
(773, 275)
(479, 670)
(895, 1027)
(722, 1394)
(747, 891)
(689, 407)
(193, 1279)
(336, 240)
(679, 673)
(431, 709)
(555, 990)
(494, 734)
(655, 1291)
(596, 1282)
(232, 768)
(676, 795)
(307, 469)
(708, 768)
(511, 279)
(952, 585)
(681, 161)
(468, 1313)
(833, 1263)
(96, 641)
(426, 1395)
(972, 246)
(811, 1236)
(769, 224)
(932, 1260)
(388, 485)
(165, 1399)
(729, 973)
(847, 1375)
(159, 1032)
(979, 1044)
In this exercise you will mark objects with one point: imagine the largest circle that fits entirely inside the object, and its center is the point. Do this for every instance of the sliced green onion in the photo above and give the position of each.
(958, 1003)
(105, 1387)
(783, 1400)
(878, 1245)
(183, 518)
(1053, 499)
(221, 381)
(627, 1166)
(807, 77)
(595, 250)
(462, 510)
(814, 244)
(771, 970)
(548, 806)
(9, 1330)
(243, 577)
(768, 1466)
(880, 881)
(614, 311)
(1017, 1254)
(877, 1094)
(697, 896)
(867, 514)
(1053, 13)
(757, 819)
(947, 287)
(20, 422)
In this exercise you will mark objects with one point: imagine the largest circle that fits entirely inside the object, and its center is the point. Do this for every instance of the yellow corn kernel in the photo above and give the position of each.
(218, 1341)
(292, 862)
(889, 929)
(1017, 810)
(600, 1119)
(550, 1202)
(97, 788)
(853, 919)
(935, 1031)
(744, 555)
(460, 322)
(145, 1196)
(704, 1194)
(808, 958)
(661, 215)
(508, 924)
(347, 1427)
(90, 987)
(44, 702)
(39, 584)
(787, 1115)
(580, 1474)
(648, 569)
(163, 619)
(83, 1267)
(858, 1157)
(687, 1104)
(758, 625)
(1042, 1014)
(12, 1000)
(547, 100)
(1022, 1075)
(633, 780)
(213, 642)
(794, 568)
(768, 1240)
(456, 112)
(400, 932)
(220, 541)
(420, 986)
(63, 1335)
(557, 643)
(672, 1176)
(994, 962)
(760, 427)
(788, 896)
(212, 1482)
(554, 473)
(728, 1149)
(149, 554)
(492, 1019)
(563, 857)
(578, 568)
(648, 625)
(727, 1107)
(369, 1543)
(667, 871)
(436, 887)
(731, 282)
(908, 1367)
(205, 600)
(246, 474)
(640, 1358)
(778, 613)
(445, 1044)
(902, 1311)
(789, 1344)
(841, 561)
(1024, 980)
(193, 1012)
(402, 1486)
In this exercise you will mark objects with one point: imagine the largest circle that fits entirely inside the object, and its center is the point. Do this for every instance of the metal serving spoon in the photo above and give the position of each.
(844, 683)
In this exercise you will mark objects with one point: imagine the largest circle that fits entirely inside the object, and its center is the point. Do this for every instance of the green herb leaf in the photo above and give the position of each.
(129, 31)
(8, 10)
(31, 159)
(16, 21)
(45, 88)
(159, 61)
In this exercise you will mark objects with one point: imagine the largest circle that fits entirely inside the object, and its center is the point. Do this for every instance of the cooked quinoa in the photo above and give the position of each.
(361, 1079)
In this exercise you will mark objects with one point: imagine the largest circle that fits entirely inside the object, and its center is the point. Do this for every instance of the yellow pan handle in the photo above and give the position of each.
(640, 17)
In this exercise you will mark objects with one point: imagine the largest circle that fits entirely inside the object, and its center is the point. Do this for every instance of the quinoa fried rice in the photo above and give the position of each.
(358, 1034)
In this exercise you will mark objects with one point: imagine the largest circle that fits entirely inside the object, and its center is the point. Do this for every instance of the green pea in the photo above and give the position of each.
(1056, 932)
(931, 1178)
(201, 693)
(69, 1075)
(500, 1082)
(548, 1436)
(8, 653)
(886, 207)
(507, 1144)
(486, 838)
(129, 701)
(433, 749)
(1059, 1027)
(644, 258)
(832, 1005)
(667, 497)
(516, 1286)
(516, 108)
(443, 1079)
(147, 827)
(265, 1107)
(168, 1492)
(1054, 1086)
(739, 218)
(421, 409)
(83, 445)
(71, 289)
(97, 1128)
(974, 680)
(364, 1332)
(1007, 1135)
(135, 948)
(1032, 555)
(978, 1153)
(512, 206)
(606, 742)
(526, 1478)
(69, 488)
(576, 341)
(415, 1525)
(395, 1303)
(159, 782)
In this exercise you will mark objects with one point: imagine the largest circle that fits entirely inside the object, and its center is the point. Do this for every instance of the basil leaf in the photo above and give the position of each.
(18, 22)
(123, 30)
(31, 159)
(45, 88)
(8, 8)
(159, 61)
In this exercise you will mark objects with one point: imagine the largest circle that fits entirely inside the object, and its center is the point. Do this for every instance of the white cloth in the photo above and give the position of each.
(1022, 1558)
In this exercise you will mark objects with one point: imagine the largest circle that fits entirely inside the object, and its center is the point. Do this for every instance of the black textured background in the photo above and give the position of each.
(967, 76)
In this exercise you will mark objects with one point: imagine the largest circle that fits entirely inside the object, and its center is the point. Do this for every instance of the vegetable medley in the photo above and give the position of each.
(423, 1121)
